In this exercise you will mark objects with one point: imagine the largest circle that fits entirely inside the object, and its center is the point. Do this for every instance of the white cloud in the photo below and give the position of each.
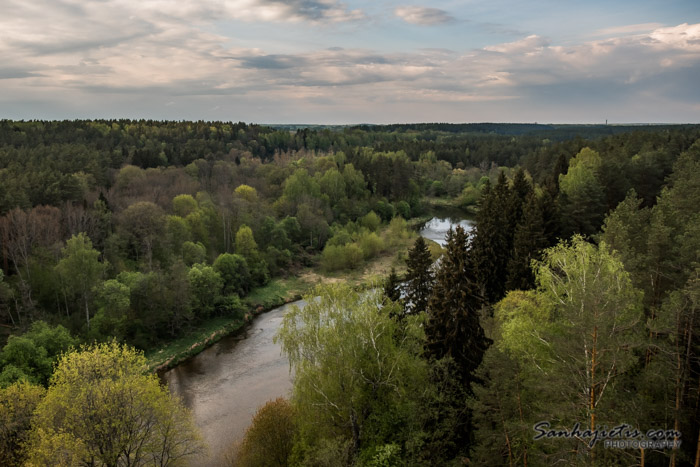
(529, 44)
(423, 16)
(104, 54)
(628, 29)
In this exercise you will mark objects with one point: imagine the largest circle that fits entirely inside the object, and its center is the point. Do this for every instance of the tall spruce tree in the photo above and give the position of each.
(453, 327)
(419, 277)
(529, 240)
(453, 332)
(492, 243)
(520, 191)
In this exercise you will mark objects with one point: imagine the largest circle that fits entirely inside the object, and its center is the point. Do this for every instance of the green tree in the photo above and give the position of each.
(453, 327)
(102, 409)
(233, 270)
(31, 355)
(529, 240)
(392, 286)
(183, 205)
(578, 332)
(143, 223)
(113, 301)
(419, 277)
(81, 270)
(269, 439)
(17, 404)
(582, 194)
(205, 286)
(493, 239)
(357, 372)
(245, 242)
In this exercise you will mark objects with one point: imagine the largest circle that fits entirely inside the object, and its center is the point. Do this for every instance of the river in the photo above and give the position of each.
(226, 383)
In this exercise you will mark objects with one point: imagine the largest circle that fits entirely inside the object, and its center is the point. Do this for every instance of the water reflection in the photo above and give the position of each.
(436, 228)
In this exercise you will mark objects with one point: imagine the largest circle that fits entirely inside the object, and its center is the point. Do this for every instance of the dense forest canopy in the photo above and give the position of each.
(136, 231)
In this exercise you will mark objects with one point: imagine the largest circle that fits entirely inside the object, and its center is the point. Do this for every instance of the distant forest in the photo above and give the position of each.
(574, 300)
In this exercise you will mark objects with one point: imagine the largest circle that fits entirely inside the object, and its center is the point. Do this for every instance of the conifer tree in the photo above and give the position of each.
(453, 327)
(519, 194)
(529, 240)
(491, 247)
(453, 332)
(392, 286)
(419, 277)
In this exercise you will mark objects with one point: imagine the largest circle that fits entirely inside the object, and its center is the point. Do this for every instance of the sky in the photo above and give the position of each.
(354, 61)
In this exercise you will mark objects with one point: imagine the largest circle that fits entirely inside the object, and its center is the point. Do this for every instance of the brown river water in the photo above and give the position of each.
(225, 384)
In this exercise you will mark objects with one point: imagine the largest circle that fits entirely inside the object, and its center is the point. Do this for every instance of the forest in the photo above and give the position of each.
(572, 306)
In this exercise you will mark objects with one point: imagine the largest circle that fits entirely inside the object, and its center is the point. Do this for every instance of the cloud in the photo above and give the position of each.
(318, 11)
(132, 58)
(628, 29)
(529, 44)
(423, 16)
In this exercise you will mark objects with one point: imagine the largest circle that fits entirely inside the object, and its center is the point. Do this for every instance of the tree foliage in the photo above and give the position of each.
(101, 408)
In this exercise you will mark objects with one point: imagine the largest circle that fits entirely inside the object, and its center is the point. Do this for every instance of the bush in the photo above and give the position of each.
(371, 244)
(371, 221)
(353, 255)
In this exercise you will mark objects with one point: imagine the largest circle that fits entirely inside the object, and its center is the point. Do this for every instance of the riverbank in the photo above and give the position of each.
(281, 291)
(277, 293)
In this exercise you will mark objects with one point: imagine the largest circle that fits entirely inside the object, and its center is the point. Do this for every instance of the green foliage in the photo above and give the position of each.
(183, 205)
(31, 356)
(357, 371)
(178, 232)
(371, 244)
(571, 343)
(100, 407)
(193, 253)
(114, 301)
(419, 277)
(269, 439)
(206, 285)
(583, 196)
(17, 405)
(143, 224)
(453, 328)
(246, 192)
(245, 242)
(392, 286)
(335, 258)
(371, 221)
(80, 270)
(234, 272)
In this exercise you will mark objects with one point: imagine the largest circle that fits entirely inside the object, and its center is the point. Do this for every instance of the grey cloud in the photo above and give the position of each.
(423, 16)
(9, 73)
(272, 62)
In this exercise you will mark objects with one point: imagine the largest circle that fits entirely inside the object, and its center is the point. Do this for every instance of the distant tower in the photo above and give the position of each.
(606, 121)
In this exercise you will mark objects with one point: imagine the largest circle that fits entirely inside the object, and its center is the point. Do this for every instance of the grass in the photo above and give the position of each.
(194, 341)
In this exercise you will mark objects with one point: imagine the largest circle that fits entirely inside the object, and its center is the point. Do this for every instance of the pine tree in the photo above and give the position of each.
(453, 327)
(419, 277)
